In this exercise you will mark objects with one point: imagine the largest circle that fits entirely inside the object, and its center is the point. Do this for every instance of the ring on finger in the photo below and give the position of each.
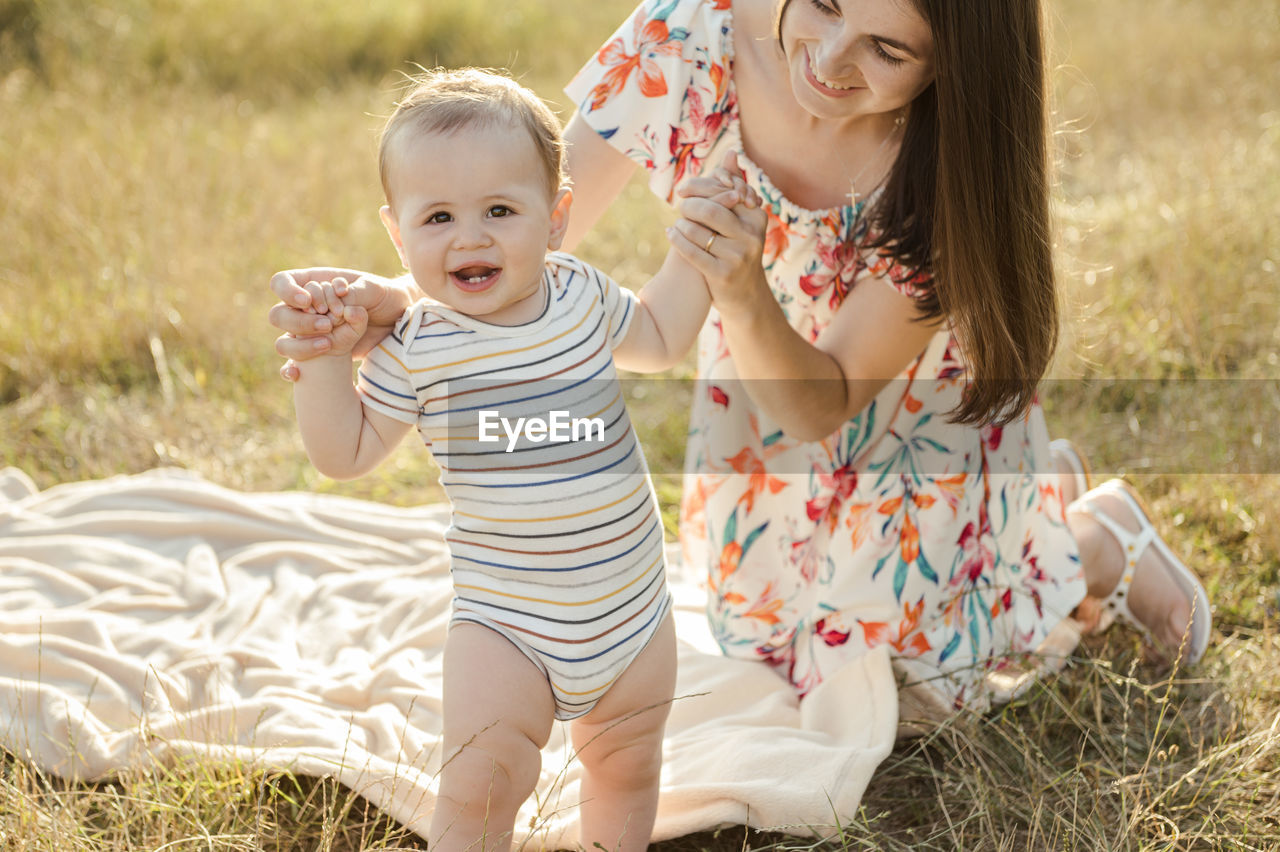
(710, 240)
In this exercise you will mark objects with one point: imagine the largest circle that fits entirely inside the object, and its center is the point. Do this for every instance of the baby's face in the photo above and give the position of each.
(474, 219)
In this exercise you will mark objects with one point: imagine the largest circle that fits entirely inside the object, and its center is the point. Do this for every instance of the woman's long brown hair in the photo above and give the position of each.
(968, 199)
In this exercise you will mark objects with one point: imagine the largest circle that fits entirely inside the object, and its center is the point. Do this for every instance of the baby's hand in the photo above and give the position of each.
(721, 234)
(307, 313)
(734, 181)
(348, 331)
(372, 293)
(726, 185)
(327, 297)
(335, 298)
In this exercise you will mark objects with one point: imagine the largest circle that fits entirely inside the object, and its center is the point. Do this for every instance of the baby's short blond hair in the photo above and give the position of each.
(444, 100)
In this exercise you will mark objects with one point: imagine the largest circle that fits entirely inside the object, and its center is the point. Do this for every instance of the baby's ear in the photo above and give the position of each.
(559, 217)
(393, 230)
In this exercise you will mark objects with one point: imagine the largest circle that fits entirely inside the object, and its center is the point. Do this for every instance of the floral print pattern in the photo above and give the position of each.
(945, 542)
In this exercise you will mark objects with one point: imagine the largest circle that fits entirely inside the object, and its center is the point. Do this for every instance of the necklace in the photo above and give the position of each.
(853, 181)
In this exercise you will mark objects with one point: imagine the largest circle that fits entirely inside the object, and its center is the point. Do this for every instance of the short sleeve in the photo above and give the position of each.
(383, 379)
(659, 91)
(618, 302)
(906, 279)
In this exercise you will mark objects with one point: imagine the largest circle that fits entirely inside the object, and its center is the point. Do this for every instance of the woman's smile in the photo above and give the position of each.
(831, 90)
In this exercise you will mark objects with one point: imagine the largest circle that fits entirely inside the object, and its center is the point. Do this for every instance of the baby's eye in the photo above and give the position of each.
(497, 211)
(439, 218)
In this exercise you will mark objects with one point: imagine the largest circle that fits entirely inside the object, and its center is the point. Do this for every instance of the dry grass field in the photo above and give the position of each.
(160, 158)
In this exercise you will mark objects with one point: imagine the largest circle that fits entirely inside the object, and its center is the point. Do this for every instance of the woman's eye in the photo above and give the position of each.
(886, 55)
(439, 218)
(500, 210)
(822, 7)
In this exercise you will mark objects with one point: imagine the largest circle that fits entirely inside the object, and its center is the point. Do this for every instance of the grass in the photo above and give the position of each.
(192, 804)
(161, 158)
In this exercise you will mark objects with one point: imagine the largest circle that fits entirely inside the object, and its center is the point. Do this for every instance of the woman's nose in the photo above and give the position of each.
(834, 57)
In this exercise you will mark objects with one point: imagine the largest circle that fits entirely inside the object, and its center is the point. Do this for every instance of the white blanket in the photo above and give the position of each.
(149, 615)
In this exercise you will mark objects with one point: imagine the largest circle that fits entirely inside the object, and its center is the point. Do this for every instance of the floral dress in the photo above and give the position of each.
(945, 542)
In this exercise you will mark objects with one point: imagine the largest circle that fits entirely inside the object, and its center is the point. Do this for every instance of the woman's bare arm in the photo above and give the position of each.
(808, 389)
(598, 171)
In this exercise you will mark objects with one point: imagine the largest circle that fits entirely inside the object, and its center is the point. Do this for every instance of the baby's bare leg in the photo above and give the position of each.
(497, 717)
(620, 745)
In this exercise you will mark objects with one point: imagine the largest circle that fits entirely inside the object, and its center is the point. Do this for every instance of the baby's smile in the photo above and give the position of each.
(475, 277)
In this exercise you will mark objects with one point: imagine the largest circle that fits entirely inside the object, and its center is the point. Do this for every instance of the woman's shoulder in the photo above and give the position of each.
(674, 26)
(656, 52)
(909, 279)
(659, 90)
(699, 20)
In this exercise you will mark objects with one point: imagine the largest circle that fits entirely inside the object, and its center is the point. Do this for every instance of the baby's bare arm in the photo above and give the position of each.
(344, 438)
(674, 304)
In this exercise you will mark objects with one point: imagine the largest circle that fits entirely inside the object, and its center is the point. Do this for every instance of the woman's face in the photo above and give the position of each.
(850, 58)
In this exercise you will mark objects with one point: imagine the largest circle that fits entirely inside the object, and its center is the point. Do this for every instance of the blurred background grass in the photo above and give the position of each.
(161, 158)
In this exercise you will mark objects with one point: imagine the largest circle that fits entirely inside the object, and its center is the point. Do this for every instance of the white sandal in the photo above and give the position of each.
(1133, 545)
(1075, 459)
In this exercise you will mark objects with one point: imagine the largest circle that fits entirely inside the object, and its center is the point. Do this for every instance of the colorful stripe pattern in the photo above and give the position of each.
(555, 538)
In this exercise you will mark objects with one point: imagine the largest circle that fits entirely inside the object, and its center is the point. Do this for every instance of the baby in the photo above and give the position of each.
(507, 368)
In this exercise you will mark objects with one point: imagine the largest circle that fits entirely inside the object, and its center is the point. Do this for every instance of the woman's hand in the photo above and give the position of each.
(721, 234)
(311, 315)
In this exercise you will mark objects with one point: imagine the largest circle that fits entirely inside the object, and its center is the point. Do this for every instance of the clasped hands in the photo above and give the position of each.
(721, 234)
(334, 311)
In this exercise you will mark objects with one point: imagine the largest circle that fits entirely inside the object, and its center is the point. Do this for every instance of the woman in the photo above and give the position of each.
(866, 453)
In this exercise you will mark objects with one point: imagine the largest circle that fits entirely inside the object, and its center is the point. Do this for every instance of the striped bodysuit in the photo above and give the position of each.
(555, 539)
